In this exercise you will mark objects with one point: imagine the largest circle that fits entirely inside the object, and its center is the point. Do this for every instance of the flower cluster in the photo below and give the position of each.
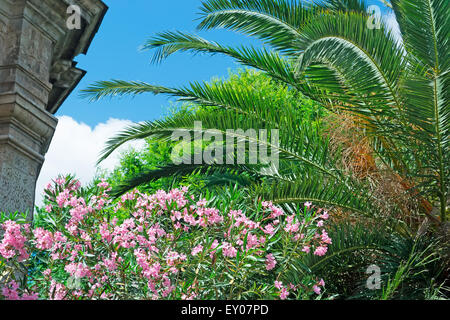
(13, 242)
(11, 292)
(165, 245)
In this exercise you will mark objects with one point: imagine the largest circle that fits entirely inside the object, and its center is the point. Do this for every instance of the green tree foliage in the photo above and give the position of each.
(157, 153)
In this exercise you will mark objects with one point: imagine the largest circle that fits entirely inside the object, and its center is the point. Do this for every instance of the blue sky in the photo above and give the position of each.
(114, 54)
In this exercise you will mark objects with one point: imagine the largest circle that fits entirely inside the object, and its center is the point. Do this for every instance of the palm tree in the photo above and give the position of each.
(395, 88)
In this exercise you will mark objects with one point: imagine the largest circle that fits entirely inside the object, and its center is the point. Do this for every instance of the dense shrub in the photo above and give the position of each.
(168, 245)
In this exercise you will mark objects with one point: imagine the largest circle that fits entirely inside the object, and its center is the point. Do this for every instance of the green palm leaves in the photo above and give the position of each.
(396, 89)
(425, 29)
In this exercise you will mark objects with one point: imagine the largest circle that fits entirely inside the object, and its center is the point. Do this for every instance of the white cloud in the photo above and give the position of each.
(392, 24)
(75, 149)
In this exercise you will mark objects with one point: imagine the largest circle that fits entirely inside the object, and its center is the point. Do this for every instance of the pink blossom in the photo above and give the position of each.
(270, 261)
(111, 263)
(103, 184)
(278, 284)
(13, 243)
(10, 292)
(102, 234)
(316, 289)
(324, 216)
(325, 238)
(284, 293)
(228, 250)
(47, 272)
(78, 270)
(57, 291)
(44, 239)
(197, 250)
(269, 229)
(320, 251)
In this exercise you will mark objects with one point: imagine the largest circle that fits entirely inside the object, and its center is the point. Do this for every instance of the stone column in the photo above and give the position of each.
(37, 73)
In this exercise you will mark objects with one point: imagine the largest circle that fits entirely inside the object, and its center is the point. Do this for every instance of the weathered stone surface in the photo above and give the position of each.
(37, 73)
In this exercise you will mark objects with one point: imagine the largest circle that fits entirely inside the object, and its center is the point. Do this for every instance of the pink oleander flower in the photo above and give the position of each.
(266, 204)
(324, 216)
(276, 212)
(47, 272)
(62, 198)
(269, 229)
(111, 263)
(78, 270)
(44, 239)
(320, 251)
(197, 250)
(49, 186)
(228, 250)
(325, 238)
(103, 184)
(57, 291)
(278, 284)
(253, 241)
(292, 225)
(60, 181)
(270, 261)
(11, 292)
(284, 293)
(215, 244)
(316, 289)
(201, 203)
(13, 243)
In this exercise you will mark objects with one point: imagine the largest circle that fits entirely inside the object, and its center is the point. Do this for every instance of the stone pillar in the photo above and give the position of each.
(37, 73)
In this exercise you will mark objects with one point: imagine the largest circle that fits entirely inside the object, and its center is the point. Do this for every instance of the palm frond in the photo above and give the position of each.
(276, 22)
(270, 62)
(174, 171)
(367, 60)
(343, 5)
(320, 190)
(118, 88)
(425, 27)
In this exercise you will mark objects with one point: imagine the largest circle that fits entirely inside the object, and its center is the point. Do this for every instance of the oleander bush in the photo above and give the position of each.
(167, 245)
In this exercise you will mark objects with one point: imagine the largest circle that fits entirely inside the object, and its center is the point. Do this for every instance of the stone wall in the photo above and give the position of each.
(37, 73)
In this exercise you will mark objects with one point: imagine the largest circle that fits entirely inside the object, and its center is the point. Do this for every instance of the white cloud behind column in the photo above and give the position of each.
(75, 149)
